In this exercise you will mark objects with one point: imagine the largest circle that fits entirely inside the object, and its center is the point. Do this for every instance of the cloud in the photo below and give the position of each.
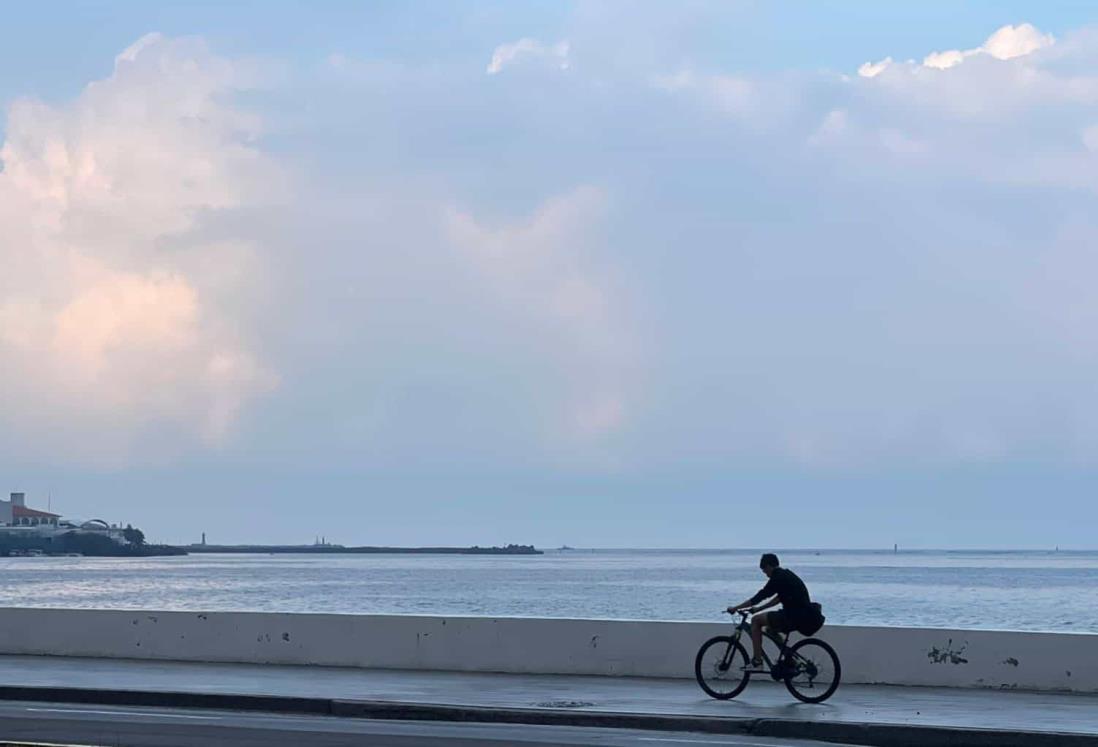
(1016, 41)
(1090, 138)
(513, 53)
(901, 217)
(733, 94)
(112, 319)
(1007, 43)
(937, 60)
(774, 267)
(833, 127)
(542, 268)
(130, 53)
(873, 69)
(709, 266)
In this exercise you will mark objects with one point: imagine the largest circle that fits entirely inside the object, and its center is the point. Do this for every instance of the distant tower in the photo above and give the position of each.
(203, 538)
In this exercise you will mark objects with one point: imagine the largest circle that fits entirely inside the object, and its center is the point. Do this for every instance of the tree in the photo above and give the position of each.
(133, 536)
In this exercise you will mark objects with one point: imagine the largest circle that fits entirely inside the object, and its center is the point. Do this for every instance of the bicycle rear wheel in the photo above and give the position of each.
(719, 667)
(812, 670)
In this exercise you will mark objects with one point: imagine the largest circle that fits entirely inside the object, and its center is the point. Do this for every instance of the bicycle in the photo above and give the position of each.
(810, 668)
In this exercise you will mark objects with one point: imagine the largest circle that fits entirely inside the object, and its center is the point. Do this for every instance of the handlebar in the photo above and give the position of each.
(742, 613)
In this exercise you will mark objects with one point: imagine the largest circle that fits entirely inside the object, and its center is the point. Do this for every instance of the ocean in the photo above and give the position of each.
(964, 589)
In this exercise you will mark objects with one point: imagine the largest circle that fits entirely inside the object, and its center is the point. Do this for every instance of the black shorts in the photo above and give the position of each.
(781, 621)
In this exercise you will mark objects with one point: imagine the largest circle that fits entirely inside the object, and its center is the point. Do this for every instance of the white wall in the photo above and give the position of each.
(902, 656)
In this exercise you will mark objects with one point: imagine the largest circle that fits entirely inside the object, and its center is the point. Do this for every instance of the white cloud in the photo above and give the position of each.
(945, 60)
(776, 269)
(752, 101)
(515, 52)
(105, 331)
(1016, 41)
(1006, 43)
(932, 197)
(873, 69)
(130, 53)
(1090, 138)
(835, 123)
(900, 143)
(541, 268)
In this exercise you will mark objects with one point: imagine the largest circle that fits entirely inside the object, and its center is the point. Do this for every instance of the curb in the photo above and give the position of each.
(858, 733)
(168, 699)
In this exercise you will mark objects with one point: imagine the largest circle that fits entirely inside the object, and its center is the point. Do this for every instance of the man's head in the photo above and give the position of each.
(768, 562)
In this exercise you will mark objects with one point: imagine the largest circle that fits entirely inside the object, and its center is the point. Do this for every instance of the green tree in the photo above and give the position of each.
(133, 536)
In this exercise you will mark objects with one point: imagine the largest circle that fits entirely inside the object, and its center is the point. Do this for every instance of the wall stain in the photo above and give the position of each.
(948, 654)
(286, 637)
(1011, 661)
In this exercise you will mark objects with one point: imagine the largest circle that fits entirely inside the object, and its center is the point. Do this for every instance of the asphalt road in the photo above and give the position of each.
(153, 727)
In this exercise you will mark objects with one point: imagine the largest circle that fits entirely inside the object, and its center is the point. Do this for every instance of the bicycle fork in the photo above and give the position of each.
(773, 668)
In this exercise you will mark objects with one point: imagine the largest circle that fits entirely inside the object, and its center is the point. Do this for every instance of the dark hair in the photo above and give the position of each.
(769, 560)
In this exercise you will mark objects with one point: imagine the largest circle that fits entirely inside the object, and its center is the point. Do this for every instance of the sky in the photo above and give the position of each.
(604, 274)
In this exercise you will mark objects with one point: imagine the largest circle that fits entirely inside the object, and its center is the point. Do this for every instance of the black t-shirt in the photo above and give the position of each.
(791, 591)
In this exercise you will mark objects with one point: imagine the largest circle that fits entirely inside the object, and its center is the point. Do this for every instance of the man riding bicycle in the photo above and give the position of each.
(798, 612)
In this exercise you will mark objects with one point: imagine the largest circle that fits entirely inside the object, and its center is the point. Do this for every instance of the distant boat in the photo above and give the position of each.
(566, 547)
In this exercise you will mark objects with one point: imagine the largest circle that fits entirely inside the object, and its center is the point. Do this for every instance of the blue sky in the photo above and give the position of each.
(53, 49)
(603, 274)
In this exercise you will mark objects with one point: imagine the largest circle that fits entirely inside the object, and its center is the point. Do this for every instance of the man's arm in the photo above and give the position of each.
(772, 603)
(742, 605)
(763, 593)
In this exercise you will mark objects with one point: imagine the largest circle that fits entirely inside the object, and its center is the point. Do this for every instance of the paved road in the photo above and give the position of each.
(149, 727)
(922, 706)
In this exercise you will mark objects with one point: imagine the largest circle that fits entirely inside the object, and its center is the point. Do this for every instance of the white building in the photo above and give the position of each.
(14, 512)
(17, 519)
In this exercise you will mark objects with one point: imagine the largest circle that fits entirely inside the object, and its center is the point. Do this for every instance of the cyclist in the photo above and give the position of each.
(797, 613)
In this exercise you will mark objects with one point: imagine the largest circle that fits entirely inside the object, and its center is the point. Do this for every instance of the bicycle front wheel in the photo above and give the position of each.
(719, 667)
(812, 670)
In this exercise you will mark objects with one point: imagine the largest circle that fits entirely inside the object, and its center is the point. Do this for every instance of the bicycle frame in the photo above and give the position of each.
(782, 643)
(799, 666)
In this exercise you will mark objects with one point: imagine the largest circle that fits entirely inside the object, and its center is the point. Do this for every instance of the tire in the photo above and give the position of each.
(718, 667)
(813, 670)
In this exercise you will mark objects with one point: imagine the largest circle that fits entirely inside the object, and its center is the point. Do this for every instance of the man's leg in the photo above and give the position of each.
(757, 623)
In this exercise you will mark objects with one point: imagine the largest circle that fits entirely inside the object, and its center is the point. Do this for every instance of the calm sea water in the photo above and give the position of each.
(991, 590)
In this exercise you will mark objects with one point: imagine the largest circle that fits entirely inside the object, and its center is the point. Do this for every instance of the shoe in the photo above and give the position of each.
(754, 665)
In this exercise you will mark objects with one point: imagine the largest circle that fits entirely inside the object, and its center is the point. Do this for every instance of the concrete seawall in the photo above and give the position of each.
(897, 656)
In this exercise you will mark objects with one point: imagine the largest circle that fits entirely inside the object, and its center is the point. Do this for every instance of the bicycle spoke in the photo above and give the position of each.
(813, 671)
(719, 668)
